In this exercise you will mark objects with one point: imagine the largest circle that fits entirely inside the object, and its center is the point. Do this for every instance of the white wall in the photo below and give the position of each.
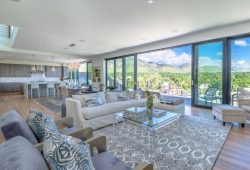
(225, 31)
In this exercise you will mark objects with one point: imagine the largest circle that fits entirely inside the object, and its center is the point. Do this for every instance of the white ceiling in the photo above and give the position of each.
(108, 25)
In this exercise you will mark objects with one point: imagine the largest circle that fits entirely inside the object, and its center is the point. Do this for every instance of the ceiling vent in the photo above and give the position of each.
(72, 45)
(15, 0)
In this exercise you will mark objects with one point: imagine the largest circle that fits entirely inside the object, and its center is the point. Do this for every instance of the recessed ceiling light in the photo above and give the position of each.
(151, 1)
(174, 30)
(52, 35)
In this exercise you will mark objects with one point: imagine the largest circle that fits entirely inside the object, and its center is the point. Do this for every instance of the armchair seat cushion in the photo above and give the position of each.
(107, 161)
(18, 153)
(67, 131)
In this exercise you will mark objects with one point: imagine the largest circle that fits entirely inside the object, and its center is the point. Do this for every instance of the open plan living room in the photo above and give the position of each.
(124, 85)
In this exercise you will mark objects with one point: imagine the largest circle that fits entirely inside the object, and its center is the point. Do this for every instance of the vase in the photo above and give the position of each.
(150, 113)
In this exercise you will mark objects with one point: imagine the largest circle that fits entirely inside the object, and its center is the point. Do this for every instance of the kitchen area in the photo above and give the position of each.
(20, 79)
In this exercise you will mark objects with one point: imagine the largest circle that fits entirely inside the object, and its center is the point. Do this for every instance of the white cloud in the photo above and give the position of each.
(241, 62)
(166, 57)
(241, 43)
(207, 61)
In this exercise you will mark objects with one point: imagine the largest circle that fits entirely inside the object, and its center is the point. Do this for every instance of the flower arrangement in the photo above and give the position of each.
(150, 104)
(73, 66)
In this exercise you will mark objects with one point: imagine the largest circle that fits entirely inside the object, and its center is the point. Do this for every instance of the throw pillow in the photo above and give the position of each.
(39, 123)
(112, 97)
(139, 92)
(94, 101)
(102, 97)
(65, 152)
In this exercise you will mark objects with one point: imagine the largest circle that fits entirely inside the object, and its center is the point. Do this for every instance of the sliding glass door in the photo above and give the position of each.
(208, 73)
(240, 68)
(129, 72)
(120, 73)
(110, 78)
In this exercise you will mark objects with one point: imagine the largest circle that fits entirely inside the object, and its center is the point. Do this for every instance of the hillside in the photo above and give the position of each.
(145, 67)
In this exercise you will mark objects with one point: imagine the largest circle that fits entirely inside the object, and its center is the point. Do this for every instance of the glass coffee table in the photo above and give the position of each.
(138, 116)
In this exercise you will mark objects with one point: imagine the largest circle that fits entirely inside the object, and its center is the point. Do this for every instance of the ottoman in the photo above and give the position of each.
(228, 113)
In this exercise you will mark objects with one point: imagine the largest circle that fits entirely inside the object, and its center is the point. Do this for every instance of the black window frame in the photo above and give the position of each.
(226, 64)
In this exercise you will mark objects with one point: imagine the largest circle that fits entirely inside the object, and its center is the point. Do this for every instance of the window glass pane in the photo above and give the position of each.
(240, 68)
(83, 73)
(167, 71)
(130, 73)
(118, 72)
(110, 73)
(90, 68)
(208, 87)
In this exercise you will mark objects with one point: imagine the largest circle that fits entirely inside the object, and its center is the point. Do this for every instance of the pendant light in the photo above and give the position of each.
(53, 68)
(33, 68)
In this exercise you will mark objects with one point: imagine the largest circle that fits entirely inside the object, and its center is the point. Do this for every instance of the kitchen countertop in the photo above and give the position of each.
(41, 82)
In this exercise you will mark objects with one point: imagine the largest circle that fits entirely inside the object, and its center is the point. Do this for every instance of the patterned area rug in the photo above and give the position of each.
(196, 146)
(53, 105)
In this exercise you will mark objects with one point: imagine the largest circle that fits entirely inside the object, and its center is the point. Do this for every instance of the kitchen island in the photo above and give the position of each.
(42, 88)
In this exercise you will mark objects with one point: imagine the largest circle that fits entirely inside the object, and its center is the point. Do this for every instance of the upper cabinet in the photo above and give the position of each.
(15, 70)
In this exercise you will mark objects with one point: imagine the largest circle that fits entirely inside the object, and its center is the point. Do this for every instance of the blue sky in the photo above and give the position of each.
(209, 54)
(240, 50)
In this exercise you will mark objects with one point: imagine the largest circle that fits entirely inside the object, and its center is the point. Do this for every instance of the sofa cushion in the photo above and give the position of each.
(66, 152)
(12, 124)
(18, 153)
(107, 161)
(102, 96)
(39, 123)
(109, 108)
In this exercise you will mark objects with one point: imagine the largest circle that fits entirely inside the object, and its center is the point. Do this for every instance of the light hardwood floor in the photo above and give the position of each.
(235, 154)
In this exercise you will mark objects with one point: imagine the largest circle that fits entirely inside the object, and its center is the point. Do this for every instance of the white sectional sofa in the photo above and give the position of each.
(97, 116)
(102, 115)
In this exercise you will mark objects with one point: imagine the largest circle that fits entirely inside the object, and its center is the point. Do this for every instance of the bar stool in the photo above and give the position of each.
(34, 86)
(51, 85)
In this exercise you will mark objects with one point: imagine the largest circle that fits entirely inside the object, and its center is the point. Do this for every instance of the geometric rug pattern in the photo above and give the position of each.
(196, 147)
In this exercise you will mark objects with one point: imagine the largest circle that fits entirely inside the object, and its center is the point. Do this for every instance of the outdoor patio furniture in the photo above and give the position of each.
(245, 105)
(211, 94)
(242, 93)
